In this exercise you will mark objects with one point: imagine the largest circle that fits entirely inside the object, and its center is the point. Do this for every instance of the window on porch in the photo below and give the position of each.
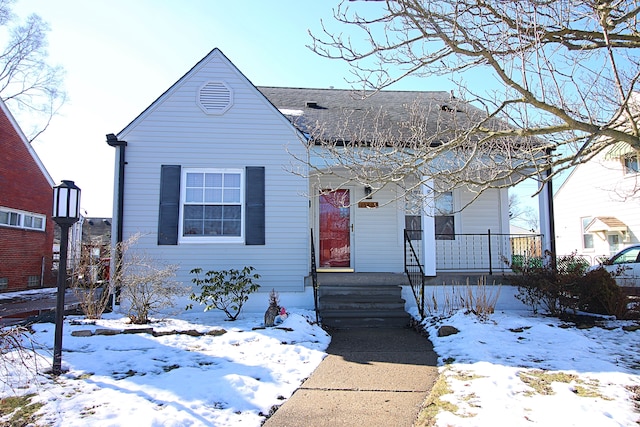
(587, 238)
(444, 216)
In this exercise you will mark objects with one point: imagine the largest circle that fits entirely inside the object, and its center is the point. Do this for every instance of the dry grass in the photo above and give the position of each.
(541, 383)
(480, 299)
(18, 411)
(433, 405)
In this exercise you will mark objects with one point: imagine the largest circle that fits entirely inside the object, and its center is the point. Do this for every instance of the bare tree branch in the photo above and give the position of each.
(27, 81)
(569, 72)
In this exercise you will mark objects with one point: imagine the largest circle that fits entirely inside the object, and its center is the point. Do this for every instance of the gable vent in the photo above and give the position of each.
(215, 98)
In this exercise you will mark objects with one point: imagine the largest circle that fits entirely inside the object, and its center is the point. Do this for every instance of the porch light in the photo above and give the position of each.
(367, 192)
(66, 212)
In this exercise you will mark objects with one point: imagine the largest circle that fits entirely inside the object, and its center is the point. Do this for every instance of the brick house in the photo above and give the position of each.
(26, 227)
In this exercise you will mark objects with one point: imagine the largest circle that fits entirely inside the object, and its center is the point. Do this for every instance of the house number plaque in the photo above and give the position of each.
(367, 204)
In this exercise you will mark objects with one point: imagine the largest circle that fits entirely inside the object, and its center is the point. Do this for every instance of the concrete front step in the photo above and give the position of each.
(366, 322)
(326, 290)
(363, 307)
(360, 305)
(357, 303)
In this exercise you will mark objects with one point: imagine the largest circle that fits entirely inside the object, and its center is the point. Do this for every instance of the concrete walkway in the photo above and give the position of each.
(371, 377)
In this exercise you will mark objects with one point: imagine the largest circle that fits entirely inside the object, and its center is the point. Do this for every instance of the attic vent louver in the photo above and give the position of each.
(215, 98)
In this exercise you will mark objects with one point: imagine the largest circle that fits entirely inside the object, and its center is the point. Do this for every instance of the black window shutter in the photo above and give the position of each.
(254, 206)
(169, 212)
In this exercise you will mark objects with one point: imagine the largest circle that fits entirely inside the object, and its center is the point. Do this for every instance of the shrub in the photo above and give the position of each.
(568, 287)
(87, 284)
(599, 293)
(549, 288)
(146, 283)
(150, 289)
(225, 290)
(19, 360)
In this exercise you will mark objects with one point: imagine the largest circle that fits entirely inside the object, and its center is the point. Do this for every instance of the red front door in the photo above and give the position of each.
(335, 221)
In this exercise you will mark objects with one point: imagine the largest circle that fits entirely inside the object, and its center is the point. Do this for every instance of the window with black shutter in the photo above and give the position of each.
(212, 205)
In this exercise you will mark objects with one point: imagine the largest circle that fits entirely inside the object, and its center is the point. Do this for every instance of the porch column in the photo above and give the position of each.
(547, 228)
(428, 228)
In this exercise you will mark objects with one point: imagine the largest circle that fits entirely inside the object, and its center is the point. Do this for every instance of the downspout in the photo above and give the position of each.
(552, 221)
(551, 230)
(113, 141)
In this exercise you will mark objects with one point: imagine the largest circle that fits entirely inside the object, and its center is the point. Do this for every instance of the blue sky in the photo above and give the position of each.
(120, 55)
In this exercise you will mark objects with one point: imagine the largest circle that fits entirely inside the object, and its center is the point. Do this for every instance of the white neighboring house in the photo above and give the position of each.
(203, 174)
(597, 208)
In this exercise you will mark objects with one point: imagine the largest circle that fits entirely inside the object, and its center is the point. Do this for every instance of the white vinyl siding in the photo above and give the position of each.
(251, 132)
(379, 240)
(597, 188)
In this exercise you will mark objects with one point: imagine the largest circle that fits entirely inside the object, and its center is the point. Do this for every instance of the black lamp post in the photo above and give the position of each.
(66, 212)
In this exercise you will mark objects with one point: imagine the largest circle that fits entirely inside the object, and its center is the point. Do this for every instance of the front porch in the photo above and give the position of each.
(347, 300)
(368, 299)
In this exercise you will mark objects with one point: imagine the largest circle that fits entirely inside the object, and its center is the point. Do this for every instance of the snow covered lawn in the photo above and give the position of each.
(202, 377)
(517, 369)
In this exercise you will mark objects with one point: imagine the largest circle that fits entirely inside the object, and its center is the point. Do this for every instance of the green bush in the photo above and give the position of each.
(225, 290)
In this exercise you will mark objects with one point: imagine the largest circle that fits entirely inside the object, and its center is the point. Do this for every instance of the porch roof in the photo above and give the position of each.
(605, 223)
(620, 149)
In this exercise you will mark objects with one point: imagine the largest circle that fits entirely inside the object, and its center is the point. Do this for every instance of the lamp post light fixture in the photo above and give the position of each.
(66, 212)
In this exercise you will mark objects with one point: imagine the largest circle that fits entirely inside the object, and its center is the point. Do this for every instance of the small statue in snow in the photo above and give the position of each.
(281, 317)
(273, 310)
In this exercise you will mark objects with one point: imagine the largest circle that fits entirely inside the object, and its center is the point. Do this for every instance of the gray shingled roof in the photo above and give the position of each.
(345, 115)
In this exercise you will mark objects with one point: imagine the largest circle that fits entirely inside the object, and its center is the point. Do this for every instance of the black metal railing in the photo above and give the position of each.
(413, 267)
(489, 253)
(314, 276)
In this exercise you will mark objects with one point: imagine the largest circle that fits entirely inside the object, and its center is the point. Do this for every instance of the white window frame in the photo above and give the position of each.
(445, 214)
(629, 158)
(24, 219)
(210, 239)
(584, 221)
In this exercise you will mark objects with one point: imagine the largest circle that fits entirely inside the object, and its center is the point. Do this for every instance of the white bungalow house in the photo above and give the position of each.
(597, 207)
(204, 174)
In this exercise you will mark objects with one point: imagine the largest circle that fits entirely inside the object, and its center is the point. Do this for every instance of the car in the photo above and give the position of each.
(625, 267)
